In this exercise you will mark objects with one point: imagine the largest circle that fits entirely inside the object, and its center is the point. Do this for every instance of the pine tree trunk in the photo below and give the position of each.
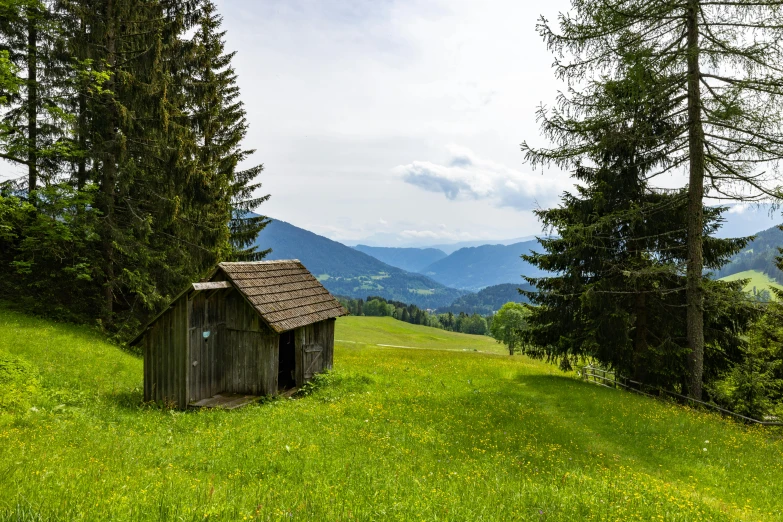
(694, 299)
(640, 337)
(109, 174)
(81, 174)
(32, 101)
(107, 193)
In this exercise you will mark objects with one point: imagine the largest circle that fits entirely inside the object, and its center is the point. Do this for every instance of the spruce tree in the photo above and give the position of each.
(223, 195)
(619, 250)
(137, 148)
(719, 69)
(36, 128)
(10, 81)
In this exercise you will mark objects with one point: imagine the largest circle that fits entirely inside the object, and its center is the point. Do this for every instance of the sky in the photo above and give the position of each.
(399, 122)
(396, 122)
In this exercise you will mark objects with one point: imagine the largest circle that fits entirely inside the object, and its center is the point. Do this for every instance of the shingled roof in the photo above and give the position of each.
(284, 293)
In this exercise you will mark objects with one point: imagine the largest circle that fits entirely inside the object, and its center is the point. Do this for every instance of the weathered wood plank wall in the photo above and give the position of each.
(251, 350)
(328, 340)
(240, 353)
(165, 356)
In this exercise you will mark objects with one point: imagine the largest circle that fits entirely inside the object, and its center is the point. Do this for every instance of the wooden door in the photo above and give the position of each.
(206, 332)
(312, 360)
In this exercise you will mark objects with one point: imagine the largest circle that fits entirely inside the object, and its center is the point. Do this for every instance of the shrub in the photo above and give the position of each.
(18, 383)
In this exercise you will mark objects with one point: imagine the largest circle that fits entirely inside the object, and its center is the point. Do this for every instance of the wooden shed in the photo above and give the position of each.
(250, 329)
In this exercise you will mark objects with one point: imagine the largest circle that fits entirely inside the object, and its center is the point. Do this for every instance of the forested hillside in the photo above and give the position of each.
(346, 271)
(488, 300)
(410, 259)
(478, 267)
(760, 254)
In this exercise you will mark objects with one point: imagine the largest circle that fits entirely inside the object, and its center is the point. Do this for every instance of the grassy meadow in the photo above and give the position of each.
(758, 280)
(448, 431)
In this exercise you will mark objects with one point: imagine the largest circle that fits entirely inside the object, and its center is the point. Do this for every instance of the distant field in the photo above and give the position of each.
(421, 291)
(759, 280)
(370, 331)
(437, 433)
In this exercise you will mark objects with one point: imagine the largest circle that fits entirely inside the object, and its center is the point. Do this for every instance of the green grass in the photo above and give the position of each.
(386, 332)
(759, 280)
(391, 434)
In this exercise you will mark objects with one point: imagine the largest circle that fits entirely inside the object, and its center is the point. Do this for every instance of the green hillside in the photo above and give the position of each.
(436, 433)
(349, 272)
(488, 300)
(387, 332)
(758, 281)
(759, 255)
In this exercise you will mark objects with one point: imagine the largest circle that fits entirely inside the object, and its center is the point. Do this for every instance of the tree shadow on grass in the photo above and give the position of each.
(592, 424)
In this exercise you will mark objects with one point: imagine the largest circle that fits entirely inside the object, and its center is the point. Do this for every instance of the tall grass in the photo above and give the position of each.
(391, 434)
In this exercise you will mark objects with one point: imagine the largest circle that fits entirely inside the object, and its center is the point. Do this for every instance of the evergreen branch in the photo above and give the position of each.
(13, 158)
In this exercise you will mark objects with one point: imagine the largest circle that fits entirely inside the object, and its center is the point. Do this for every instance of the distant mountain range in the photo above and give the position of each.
(389, 240)
(410, 259)
(475, 268)
(469, 268)
(349, 272)
(429, 278)
(450, 248)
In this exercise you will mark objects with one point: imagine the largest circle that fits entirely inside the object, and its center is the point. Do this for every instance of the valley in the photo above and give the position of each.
(348, 272)
(466, 278)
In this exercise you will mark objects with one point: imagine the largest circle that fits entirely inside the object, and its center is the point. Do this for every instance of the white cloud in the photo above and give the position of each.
(738, 208)
(419, 234)
(467, 176)
(440, 234)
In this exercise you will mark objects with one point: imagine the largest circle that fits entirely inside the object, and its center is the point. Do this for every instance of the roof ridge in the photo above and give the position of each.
(231, 263)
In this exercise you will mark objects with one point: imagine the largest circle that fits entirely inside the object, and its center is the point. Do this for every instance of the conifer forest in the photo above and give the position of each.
(125, 117)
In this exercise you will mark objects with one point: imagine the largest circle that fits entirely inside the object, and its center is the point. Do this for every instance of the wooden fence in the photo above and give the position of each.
(611, 379)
